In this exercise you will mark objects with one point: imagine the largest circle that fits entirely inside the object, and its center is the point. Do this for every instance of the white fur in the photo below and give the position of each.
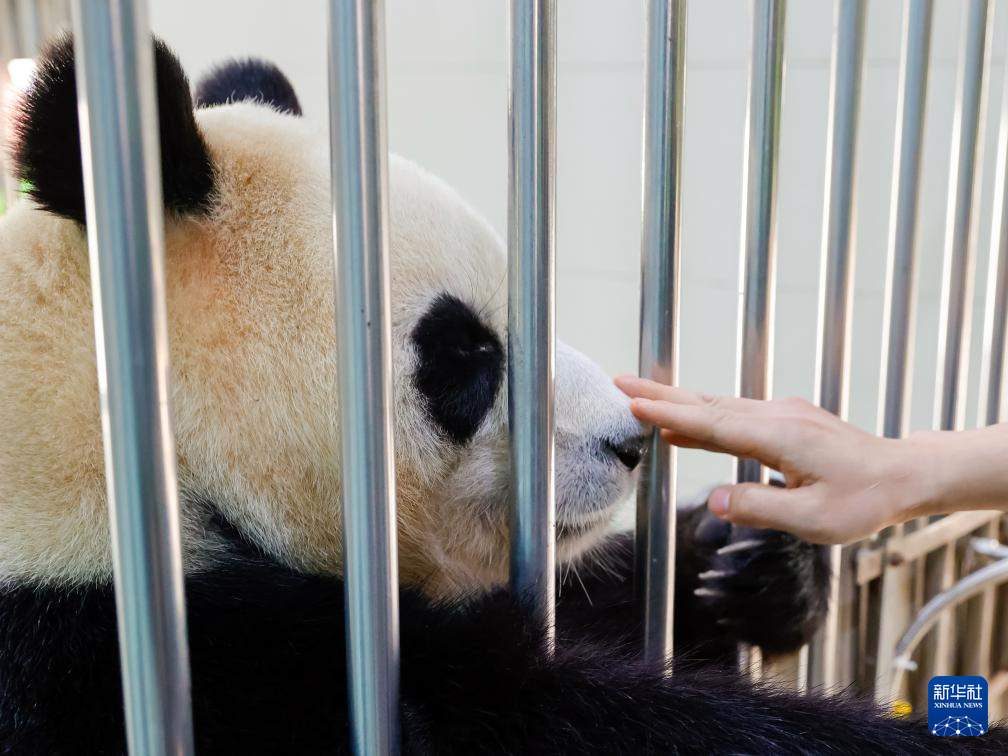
(254, 377)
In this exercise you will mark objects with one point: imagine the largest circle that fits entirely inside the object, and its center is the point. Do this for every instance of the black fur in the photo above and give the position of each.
(460, 364)
(267, 651)
(247, 79)
(772, 594)
(47, 148)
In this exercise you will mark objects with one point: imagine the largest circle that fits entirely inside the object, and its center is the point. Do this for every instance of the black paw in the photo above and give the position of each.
(762, 587)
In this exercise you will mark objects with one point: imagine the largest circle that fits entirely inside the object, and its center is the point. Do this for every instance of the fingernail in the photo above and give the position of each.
(637, 404)
(718, 502)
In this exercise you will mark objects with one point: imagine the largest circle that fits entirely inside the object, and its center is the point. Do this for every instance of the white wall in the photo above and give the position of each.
(447, 104)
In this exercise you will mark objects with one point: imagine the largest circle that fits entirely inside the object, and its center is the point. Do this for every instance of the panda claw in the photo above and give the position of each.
(713, 574)
(732, 548)
(707, 593)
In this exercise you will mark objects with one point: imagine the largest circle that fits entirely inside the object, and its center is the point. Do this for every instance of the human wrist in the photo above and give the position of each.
(923, 470)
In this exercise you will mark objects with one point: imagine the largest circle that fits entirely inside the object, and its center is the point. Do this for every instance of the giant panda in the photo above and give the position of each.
(253, 395)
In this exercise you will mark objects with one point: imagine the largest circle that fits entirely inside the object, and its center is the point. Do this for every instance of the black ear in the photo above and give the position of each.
(46, 148)
(249, 79)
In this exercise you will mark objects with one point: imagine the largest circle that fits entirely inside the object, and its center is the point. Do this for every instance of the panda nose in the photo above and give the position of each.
(629, 451)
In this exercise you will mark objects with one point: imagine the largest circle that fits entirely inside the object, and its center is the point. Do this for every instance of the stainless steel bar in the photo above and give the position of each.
(9, 37)
(980, 654)
(759, 236)
(835, 301)
(360, 231)
(957, 288)
(901, 272)
(531, 182)
(995, 327)
(894, 605)
(961, 226)
(122, 184)
(659, 320)
(28, 28)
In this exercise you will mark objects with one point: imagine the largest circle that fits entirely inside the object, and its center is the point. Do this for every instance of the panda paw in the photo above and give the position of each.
(763, 587)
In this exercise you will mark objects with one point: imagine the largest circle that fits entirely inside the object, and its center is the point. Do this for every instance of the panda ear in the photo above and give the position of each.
(46, 144)
(248, 79)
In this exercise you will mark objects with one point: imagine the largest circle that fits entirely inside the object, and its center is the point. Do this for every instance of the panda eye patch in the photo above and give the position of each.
(459, 367)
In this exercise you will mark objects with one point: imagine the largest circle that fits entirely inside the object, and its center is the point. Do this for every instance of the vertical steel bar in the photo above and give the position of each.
(531, 179)
(957, 292)
(360, 232)
(900, 293)
(835, 301)
(122, 185)
(29, 30)
(961, 226)
(659, 319)
(900, 297)
(9, 37)
(758, 248)
(980, 643)
(995, 327)
(759, 236)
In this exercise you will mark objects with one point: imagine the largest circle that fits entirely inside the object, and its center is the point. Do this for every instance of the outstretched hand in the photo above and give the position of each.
(842, 483)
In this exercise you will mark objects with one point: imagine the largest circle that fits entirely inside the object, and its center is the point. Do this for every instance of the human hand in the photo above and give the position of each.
(842, 483)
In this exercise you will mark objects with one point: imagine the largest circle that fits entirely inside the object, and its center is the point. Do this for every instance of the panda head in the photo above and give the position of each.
(253, 352)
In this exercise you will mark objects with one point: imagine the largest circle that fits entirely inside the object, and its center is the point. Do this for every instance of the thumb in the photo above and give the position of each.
(758, 505)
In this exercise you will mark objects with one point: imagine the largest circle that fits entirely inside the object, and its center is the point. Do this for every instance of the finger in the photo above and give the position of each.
(715, 429)
(685, 442)
(758, 505)
(644, 388)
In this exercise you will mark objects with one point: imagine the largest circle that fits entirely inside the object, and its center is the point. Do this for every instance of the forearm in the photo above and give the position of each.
(959, 470)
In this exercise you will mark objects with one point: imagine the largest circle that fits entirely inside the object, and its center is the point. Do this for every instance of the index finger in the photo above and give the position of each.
(643, 388)
(716, 429)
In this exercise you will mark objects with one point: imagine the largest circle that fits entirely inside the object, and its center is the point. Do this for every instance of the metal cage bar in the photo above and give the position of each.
(981, 641)
(759, 242)
(659, 319)
(360, 216)
(961, 226)
(900, 296)
(957, 288)
(531, 182)
(901, 268)
(120, 149)
(835, 301)
(995, 327)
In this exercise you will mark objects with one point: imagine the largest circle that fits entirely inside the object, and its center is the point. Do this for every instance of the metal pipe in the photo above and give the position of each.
(9, 32)
(835, 301)
(360, 231)
(957, 289)
(996, 302)
(989, 547)
(659, 319)
(122, 186)
(837, 267)
(28, 27)
(893, 610)
(531, 182)
(961, 227)
(900, 292)
(973, 584)
(759, 236)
